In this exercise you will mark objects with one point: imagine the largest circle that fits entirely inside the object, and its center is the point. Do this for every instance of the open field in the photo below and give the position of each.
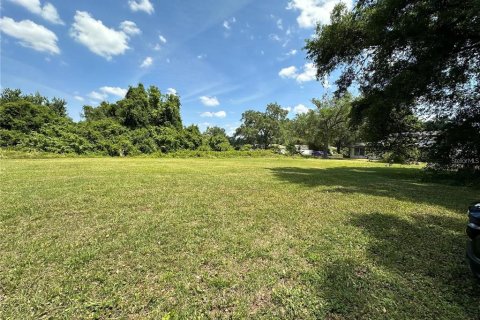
(231, 238)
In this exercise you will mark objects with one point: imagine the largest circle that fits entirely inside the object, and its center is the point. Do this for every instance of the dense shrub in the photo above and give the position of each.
(25, 116)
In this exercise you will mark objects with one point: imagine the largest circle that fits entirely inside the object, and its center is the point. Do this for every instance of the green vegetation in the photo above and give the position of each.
(144, 122)
(263, 128)
(408, 58)
(240, 238)
(328, 124)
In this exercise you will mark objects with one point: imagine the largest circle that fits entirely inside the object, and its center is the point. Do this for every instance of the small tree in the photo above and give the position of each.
(217, 139)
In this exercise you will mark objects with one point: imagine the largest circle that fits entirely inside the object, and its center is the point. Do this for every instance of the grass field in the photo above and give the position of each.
(231, 238)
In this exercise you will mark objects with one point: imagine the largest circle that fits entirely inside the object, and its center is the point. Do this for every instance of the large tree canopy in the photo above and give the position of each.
(263, 128)
(328, 124)
(403, 56)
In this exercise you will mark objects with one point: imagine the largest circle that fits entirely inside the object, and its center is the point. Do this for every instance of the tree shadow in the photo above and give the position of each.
(398, 183)
(414, 266)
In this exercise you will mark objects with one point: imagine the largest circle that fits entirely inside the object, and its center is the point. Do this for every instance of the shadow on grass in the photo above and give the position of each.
(415, 263)
(416, 269)
(398, 183)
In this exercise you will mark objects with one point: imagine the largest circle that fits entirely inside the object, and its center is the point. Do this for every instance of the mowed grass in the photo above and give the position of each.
(231, 238)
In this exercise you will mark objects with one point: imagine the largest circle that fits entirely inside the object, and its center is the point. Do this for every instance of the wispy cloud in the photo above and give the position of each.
(147, 62)
(95, 95)
(227, 24)
(218, 114)
(46, 11)
(162, 42)
(141, 5)
(292, 52)
(116, 91)
(130, 28)
(104, 92)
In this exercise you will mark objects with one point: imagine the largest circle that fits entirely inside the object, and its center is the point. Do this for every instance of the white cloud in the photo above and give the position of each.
(158, 46)
(104, 92)
(219, 114)
(100, 39)
(300, 108)
(289, 72)
(116, 91)
(97, 96)
(47, 11)
(292, 52)
(147, 62)
(288, 109)
(130, 28)
(79, 98)
(274, 37)
(31, 35)
(202, 56)
(141, 5)
(279, 24)
(227, 24)
(313, 11)
(171, 91)
(209, 101)
(309, 73)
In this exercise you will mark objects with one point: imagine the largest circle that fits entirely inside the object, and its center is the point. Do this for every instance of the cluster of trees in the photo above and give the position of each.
(408, 58)
(325, 126)
(145, 121)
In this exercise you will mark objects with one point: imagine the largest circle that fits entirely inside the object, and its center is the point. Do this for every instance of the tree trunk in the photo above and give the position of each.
(325, 145)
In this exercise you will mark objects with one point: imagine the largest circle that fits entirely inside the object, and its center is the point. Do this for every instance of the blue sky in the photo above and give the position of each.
(220, 57)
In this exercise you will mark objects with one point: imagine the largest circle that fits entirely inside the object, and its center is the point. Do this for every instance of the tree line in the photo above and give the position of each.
(143, 122)
(146, 121)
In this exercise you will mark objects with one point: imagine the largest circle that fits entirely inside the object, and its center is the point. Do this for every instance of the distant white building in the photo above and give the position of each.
(303, 149)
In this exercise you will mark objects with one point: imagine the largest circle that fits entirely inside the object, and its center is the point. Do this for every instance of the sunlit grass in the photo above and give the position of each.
(238, 238)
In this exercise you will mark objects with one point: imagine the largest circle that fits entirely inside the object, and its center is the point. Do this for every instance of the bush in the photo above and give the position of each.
(11, 138)
(246, 147)
(406, 156)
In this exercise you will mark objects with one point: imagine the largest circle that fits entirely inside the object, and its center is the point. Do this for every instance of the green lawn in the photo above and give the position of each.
(231, 238)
